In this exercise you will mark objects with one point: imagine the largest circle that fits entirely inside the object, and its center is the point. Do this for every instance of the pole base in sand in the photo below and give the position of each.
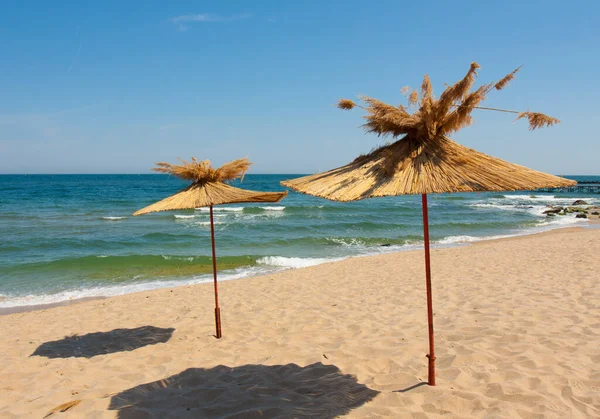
(218, 322)
(431, 377)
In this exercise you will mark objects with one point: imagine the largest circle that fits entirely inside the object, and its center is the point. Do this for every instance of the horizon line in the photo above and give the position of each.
(143, 174)
(167, 174)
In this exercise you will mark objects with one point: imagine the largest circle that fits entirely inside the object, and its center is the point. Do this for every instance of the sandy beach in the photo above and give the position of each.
(516, 320)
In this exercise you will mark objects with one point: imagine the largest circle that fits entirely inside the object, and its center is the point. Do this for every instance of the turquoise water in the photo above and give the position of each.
(72, 236)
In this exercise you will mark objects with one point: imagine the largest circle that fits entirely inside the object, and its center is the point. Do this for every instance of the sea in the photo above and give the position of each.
(66, 237)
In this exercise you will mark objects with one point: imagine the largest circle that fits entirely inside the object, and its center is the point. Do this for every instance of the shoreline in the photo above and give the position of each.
(593, 223)
(4, 311)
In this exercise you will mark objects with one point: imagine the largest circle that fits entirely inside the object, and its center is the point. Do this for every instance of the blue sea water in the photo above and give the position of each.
(73, 236)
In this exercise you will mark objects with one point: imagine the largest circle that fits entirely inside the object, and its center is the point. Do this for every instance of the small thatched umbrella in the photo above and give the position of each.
(209, 189)
(424, 160)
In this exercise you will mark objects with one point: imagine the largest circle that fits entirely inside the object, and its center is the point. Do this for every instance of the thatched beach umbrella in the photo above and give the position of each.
(208, 188)
(424, 160)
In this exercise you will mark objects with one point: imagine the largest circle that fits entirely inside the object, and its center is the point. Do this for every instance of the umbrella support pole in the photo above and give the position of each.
(431, 355)
(214, 260)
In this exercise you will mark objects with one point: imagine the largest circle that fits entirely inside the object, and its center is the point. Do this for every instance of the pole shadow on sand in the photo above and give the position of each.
(248, 391)
(102, 343)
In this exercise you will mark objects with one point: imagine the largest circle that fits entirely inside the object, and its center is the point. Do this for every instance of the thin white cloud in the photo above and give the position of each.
(209, 18)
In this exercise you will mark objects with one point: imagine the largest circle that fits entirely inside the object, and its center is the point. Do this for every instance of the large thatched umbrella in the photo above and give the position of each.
(424, 160)
(209, 189)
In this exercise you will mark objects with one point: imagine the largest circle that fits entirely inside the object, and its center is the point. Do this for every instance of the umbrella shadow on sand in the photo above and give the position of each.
(102, 343)
(247, 391)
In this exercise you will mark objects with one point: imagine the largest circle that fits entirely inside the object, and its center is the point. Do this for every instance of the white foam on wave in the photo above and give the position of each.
(294, 262)
(506, 207)
(273, 208)
(358, 248)
(261, 216)
(217, 215)
(114, 290)
(563, 220)
(470, 239)
(532, 209)
(186, 258)
(207, 223)
(180, 216)
(567, 200)
(347, 242)
(535, 205)
(225, 209)
(376, 250)
(551, 223)
(113, 218)
(530, 197)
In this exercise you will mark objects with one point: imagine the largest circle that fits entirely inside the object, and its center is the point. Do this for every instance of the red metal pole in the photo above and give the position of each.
(431, 355)
(214, 260)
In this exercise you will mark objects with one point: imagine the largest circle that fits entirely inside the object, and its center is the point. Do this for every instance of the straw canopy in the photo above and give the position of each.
(424, 160)
(409, 166)
(208, 187)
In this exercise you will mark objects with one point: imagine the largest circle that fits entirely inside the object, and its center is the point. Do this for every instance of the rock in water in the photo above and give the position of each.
(581, 215)
(553, 210)
(580, 202)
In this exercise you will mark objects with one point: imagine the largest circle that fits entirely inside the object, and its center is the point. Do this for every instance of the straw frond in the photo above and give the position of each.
(506, 79)
(538, 120)
(457, 92)
(235, 169)
(461, 117)
(426, 89)
(436, 117)
(383, 119)
(346, 104)
(413, 98)
(426, 112)
(202, 171)
(62, 408)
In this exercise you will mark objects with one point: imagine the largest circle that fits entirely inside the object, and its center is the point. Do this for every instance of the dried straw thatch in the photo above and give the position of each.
(413, 167)
(506, 79)
(425, 160)
(208, 187)
(537, 120)
(436, 117)
(413, 98)
(202, 171)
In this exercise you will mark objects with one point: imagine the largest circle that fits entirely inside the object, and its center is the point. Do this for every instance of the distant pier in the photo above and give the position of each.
(581, 187)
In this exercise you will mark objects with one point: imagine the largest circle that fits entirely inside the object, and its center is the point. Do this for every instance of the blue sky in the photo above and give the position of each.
(113, 86)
